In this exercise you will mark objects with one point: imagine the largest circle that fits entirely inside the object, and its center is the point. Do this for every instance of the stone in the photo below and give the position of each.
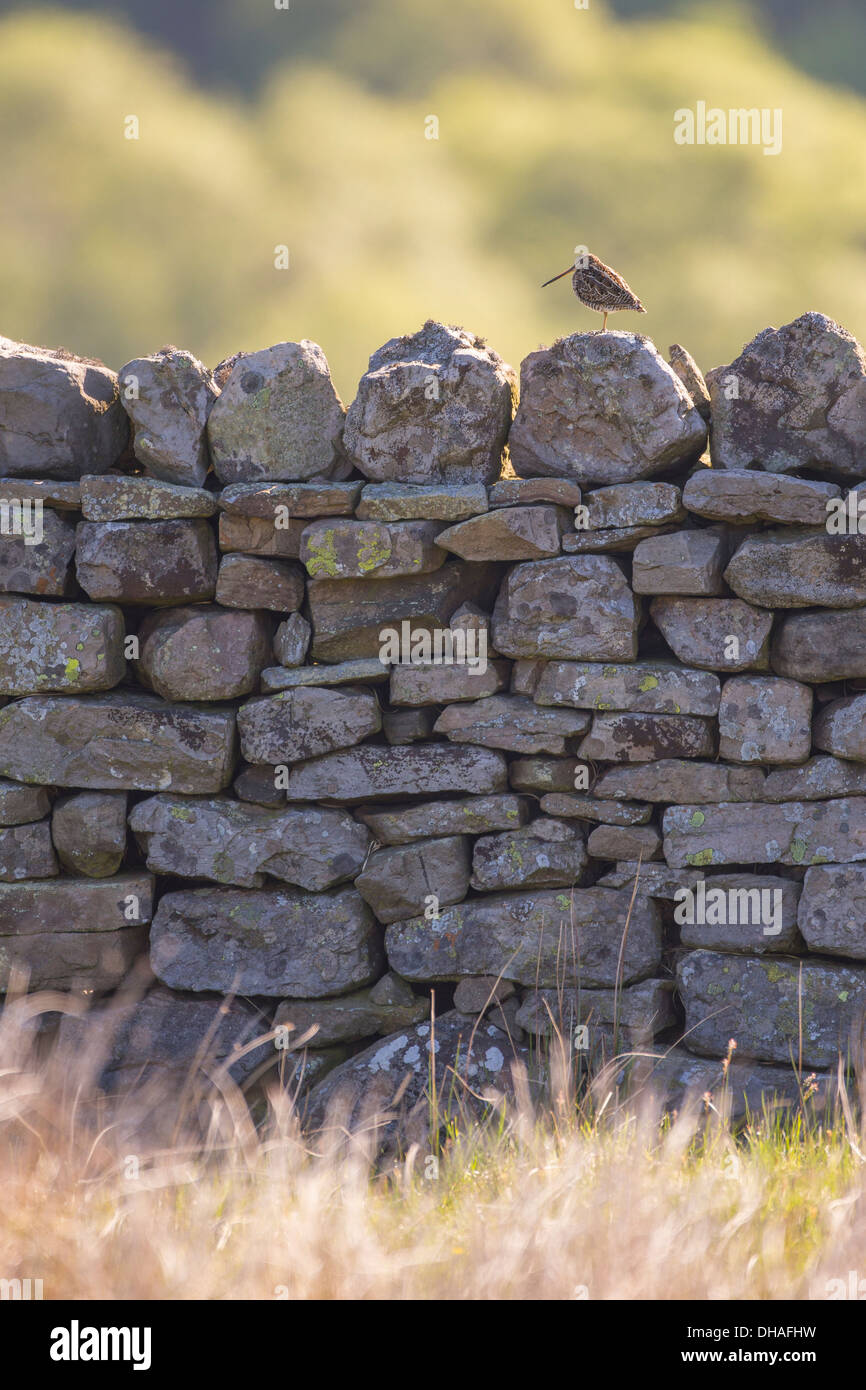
(291, 640)
(247, 581)
(832, 913)
(765, 719)
(758, 913)
(89, 832)
(521, 492)
(74, 933)
(26, 852)
(169, 406)
(508, 533)
(257, 782)
(411, 502)
(539, 775)
(699, 631)
(512, 722)
(44, 568)
(800, 402)
(290, 501)
(203, 652)
(634, 504)
(258, 535)
(349, 615)
(775, 1009)
(342, 549)
(60, 497)
(745, 1089)
(61, 414)
(654, 880)
(19, 805)
(676, 780)
(114, 498)
(520, 937)
(278, 417)
(547, 853)
(652, 687)
(613, 539)
(692, 377)
(368, 672)
(153, 562)
(590, 808)
(840, 729)
(403, 880)
(624, 842)
(387, 1089)
(304, 723)
(641, 738)
(401, 726)
(525, 676)
(273, 942)
(579, 607)
(361, 774)
(789, 832)
(116, 741)
(239, 844)
(821, 646)
(602, 408)
(643, 1009)
(474, 994)
(745, 496)
(433, 407)
(470, 815)
(430, 683)
(685, 562)
(353, 1016)
(820, 777)
(803, 568)
(70, 647)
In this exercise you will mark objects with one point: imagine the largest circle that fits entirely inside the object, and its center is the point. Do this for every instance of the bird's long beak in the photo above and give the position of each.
(558, 277)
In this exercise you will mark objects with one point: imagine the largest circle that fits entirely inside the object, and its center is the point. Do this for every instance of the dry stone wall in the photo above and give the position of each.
(549, 701)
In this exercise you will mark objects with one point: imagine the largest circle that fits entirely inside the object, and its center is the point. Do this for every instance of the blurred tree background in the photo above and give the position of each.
(307, 127)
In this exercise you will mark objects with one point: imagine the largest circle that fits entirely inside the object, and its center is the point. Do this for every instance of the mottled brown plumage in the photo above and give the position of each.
(599, 287)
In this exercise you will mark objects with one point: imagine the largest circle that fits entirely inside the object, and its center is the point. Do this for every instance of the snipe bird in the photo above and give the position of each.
(599, 287)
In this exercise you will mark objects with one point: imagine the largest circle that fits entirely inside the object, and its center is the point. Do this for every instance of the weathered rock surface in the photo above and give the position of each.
(409, 725)
(275, 943)
(832, 914)
(388, 1005)
(286, 501)
(765, 719)
(548, 853)
(642, 738)
(474, 994)
(611, 539)
(342, 549)
(684, 562)
(368, 672)
(745, 496)
(676, 780)
(652, 687)
(470, 815)
(800, 569)
(153, 562)
(680, 1078)
(403, 880)
(634, 504)
(512, 722)
(818, 778)
(70, 647)
(291, 640)
(73, 933)
(754, 913)
(840, 728)
(429, 683)
(117, 741)
(519, 936)
(170, 1035)
(433, 407)
(361, 774)
(247, 581)
(800, 402)
(19, 804)
(168, 397)
(777, 1010)
(61, 415)
(238, 844)
(790, 832)
(278, 417)
(203, 652)
(590, 808)
(26, 852)
(716, 634)
(89, 832)
(691, 376)
(576, 607)
(642, 1009)
(821, 646)
(539, 774)
(113, 498)
(602, 409)
(348, 615)
(42, 569)
(521, 492)
(624, 842)
(258, 535)
(508, 533)
(410, 502)
(304, 723)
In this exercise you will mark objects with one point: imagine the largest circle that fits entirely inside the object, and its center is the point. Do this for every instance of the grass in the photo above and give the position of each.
(583, 1196)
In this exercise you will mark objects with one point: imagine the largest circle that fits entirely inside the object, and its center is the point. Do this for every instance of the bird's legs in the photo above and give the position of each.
(604, 325)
